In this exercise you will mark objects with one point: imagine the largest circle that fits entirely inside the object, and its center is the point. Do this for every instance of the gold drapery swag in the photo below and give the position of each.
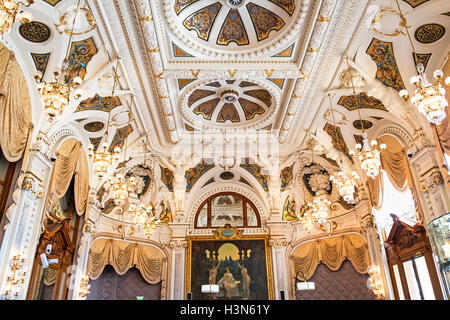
(15, 107)
(123, 256)
(396, 166)
(332, 252)
(71, 160)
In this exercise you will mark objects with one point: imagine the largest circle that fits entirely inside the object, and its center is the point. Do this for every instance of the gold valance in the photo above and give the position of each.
(15, 107)
(123, 256)
(331, 252)
(70, 160)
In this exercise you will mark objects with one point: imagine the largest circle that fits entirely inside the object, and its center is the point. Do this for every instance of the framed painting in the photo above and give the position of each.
(240, 265)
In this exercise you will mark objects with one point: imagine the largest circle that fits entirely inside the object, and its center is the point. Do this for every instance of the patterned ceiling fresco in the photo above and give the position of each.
(41, 61)
(192, 175)
(167, 177)
(286, 176)
(255, 170)
(95, 142)
(234, 23)
(53, 2)
(98, 103)
(415, 3)
(120, 136)
(232, 101)
(81, 52)
(338, 142)
(364, 101)
(423, 58)
(289, 210)
(382, 54)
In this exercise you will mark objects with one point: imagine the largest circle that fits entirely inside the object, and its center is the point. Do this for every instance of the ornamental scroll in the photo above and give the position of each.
(123, 256)
(332, 252)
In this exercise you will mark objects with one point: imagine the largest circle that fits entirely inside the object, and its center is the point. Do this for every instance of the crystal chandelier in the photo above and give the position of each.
(56, 94)
(319, 208)
(144, 217)
(344, 183)
(10, 13)
(369, 153)
(103, 159)
(369, 156)
(428, 98)
(120, 189)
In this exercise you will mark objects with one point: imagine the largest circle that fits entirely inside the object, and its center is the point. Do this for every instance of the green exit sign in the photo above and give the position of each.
(139, 297)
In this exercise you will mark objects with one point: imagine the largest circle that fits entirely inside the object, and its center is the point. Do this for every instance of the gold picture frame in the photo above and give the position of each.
(219, 237)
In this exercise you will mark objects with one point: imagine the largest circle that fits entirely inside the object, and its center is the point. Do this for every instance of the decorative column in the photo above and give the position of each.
(280, 267)
(79, 272)
(24, 227)
(377, 255)
(177, 272)
(434, 194)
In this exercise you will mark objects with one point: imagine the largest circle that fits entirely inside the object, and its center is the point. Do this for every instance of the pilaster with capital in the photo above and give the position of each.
(278, 247)
(377, 255)
(24, 216)
(432, 191)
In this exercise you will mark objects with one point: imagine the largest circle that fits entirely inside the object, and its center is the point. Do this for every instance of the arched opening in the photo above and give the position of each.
(227, 207)
(399, 220)
(62, 223)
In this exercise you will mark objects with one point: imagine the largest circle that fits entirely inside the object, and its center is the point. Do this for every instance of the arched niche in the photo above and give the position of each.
(227, 207)
(242, 190)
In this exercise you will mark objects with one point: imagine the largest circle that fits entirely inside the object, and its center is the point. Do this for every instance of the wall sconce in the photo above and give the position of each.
(374, 282)
(16, 278)
(84, 287)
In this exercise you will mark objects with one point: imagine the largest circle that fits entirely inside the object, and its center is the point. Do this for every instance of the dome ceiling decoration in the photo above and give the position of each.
(220, 103)
(234, 25)
(41, 61)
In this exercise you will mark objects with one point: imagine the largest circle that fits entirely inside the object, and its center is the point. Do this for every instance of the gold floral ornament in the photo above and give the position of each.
(84, 24)
(376, 23)
(10, 13)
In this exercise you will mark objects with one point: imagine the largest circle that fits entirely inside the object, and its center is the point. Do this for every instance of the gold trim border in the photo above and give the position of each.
(269, 271)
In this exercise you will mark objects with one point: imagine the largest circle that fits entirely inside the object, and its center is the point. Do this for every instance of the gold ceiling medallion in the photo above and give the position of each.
(34, 31)
(63, 26)
(228, 232)
(376, 23)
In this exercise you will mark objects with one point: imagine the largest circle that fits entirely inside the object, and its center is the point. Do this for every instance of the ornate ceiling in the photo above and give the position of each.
(229, 103)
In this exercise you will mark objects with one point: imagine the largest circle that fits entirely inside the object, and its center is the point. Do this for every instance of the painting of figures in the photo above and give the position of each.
(239, 267)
